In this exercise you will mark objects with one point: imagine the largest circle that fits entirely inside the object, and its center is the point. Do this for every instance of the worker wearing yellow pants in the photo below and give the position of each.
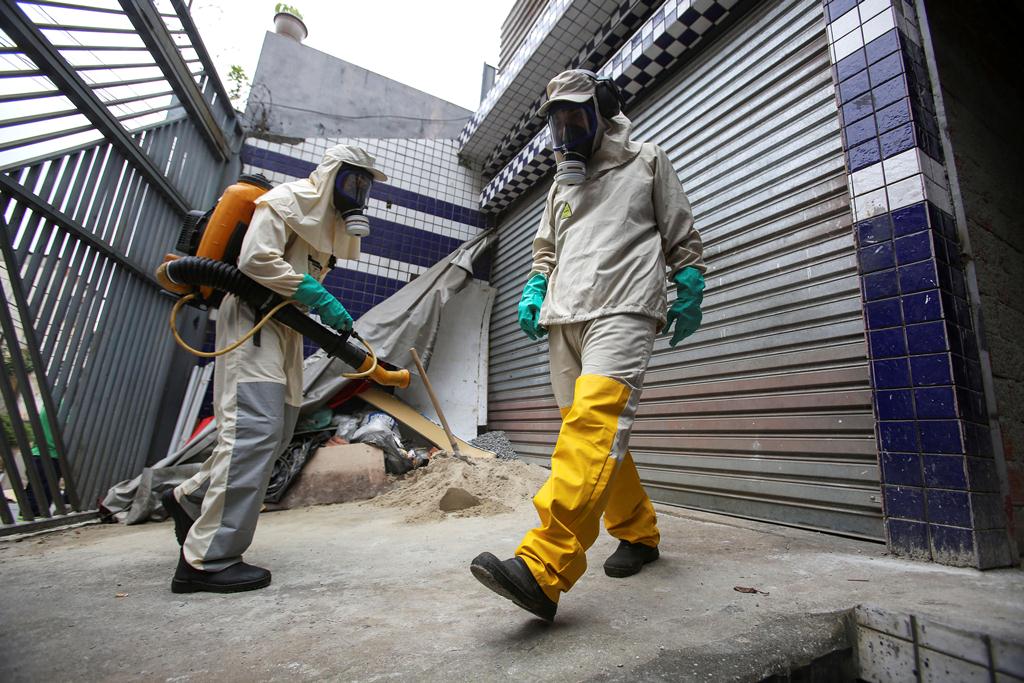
(616, 227)
(597, 370)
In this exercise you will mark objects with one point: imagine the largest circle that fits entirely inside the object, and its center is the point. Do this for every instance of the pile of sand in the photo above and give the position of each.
(499, 486)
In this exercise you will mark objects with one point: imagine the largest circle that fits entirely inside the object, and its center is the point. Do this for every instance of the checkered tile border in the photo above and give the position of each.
(676, 27)
(540, 29)
(940, 487)
(605, 41)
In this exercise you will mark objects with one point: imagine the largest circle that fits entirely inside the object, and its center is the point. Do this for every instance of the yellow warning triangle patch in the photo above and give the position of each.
(566, 211)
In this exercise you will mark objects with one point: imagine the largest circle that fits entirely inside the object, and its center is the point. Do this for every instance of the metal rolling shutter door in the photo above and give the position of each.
(766, 412)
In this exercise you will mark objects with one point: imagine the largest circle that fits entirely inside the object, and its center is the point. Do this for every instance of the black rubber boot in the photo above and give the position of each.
(512, 579)
(182, 521)
(629, 558)
(235, 579)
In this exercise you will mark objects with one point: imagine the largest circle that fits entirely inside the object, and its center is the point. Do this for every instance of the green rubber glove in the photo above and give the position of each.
(685, 311)
(312, 294)
(529, 306)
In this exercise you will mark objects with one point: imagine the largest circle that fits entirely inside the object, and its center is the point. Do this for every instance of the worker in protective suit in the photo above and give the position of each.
(296, 232)
(616, 226)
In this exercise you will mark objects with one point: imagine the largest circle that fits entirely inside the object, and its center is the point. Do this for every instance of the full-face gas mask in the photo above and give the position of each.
(351, 192)
(574, 128)
(579, 104)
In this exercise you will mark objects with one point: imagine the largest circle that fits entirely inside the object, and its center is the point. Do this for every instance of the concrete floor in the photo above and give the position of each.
(360, 595)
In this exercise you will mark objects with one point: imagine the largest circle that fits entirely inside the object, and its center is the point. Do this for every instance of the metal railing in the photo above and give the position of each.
(113, 123)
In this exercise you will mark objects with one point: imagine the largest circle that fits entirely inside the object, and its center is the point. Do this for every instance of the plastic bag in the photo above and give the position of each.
(380, 430)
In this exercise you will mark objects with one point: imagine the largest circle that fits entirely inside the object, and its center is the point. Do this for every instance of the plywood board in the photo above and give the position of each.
(429, 430)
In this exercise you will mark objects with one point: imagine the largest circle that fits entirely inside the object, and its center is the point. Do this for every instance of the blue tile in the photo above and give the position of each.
(887, 343)
(987, 511)
(876, 257)
(930, 370)
(880, 285)
(918, 277)
(884, 313)
(910, 219)
(944, 471)
(851, 64)
(852, 87)
(949, 507)
(940, 436)
(922, 307)
(884, 45)
(838, 8)
(894, 404)
(908, 538)
(884, 94)
(903, 469)
(981, 474)
(906, 502)
(886, 68)
(900, 437)
(927, 338)
(874, 230)
(864, 155)
(858, 108)
(859, 131)
(978, 439)
(891, 373)
(896, 114)
(971, 405)
(913, 248)
(897, 141)
(935, 402)
(952, 545)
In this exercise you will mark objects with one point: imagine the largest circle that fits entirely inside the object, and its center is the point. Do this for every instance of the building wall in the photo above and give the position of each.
(425, 210)
(988, 143)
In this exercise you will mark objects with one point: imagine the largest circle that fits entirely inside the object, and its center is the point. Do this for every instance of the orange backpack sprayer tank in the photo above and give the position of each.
(217, 234)
(212, 242)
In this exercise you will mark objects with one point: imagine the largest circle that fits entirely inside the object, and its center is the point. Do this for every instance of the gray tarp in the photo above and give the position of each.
(408, 318)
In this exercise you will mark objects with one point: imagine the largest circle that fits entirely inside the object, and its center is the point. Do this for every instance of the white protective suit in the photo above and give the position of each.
(257, 388)
(607, 247)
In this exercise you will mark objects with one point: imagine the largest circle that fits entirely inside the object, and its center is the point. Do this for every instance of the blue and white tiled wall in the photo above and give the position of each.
(425, 210)
(940, 486)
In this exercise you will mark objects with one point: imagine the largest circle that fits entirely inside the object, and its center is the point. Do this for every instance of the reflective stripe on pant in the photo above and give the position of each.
(597, 370)
(255, 390)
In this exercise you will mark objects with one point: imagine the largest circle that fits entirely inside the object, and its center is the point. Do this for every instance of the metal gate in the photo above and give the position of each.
(113, 123)
(766, 412)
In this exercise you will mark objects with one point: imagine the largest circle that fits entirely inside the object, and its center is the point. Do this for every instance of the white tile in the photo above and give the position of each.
(870, 8)
(870, 204)
(848, 44)
(878, 25)
(906, 192)
(867, 179)
(901, 166)
(938, 196)
(843, 25)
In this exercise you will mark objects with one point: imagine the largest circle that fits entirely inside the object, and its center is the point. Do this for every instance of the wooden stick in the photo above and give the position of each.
(437, 404)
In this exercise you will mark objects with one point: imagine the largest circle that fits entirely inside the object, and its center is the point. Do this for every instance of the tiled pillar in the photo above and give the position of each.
(939, 481)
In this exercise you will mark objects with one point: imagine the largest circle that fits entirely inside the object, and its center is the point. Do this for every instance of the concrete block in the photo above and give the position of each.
(937, 667)
(882, 658)
(952, 641)
(881, 620)
(338, 474)
(1008, 657)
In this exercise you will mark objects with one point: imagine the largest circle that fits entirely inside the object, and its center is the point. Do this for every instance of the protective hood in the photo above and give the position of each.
(307, 206)
(614, 146)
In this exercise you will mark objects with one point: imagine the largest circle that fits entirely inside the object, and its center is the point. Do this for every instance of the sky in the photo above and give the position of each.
(437, 46)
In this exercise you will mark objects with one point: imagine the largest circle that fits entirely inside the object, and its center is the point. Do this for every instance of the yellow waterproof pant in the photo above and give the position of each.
(592, 472)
